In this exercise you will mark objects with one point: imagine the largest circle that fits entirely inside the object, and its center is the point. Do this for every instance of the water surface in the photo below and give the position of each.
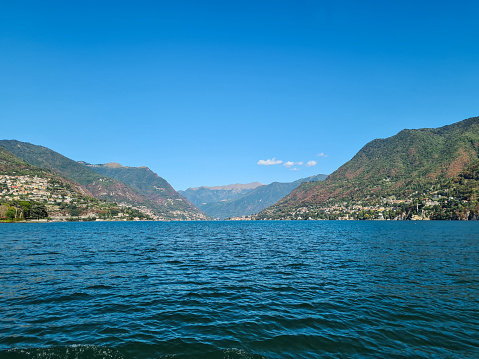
(240, 290)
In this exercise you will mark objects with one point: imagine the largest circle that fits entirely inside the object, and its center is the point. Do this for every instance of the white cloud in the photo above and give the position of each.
(269, 162)
(288, 164)
(322, 155)
(291, 164)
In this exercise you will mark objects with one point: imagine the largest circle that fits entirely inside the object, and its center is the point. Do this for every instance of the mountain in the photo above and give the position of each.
(164, 198)
(414, 166)
(237, 187)
(30, 192)
(15, 166)
(200, 196)
(11, 165)
(98, 185)
(254, 200)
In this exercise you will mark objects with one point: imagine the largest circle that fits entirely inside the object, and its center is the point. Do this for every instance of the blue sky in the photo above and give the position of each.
(203, 91)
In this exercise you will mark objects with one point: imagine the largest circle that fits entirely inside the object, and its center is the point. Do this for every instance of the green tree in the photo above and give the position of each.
(10, 214)
(38, 211)
(26, 206)
(75, 212)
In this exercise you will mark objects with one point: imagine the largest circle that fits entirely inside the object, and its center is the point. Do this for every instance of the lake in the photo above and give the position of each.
(309, 289)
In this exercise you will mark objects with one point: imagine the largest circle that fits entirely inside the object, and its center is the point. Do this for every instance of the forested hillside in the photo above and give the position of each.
(414, 165)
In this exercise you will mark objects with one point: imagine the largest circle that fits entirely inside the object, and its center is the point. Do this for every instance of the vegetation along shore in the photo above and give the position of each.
(422, 174)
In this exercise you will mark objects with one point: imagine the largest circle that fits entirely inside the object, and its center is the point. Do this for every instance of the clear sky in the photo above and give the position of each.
(210, 92)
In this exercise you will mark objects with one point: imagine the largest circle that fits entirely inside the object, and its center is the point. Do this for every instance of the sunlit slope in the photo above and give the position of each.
(154, 187)
(99, 185)
(396, 166)
(255, 200)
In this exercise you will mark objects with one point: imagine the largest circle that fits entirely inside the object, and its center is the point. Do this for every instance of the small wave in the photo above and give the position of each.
(239, 354)
(63, 352)
(297, 265)
(174, 261)
(231, 353)
(100, 286)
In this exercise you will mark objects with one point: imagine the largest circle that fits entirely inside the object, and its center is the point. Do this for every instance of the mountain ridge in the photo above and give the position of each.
(200, 196)
(29, 192)
(100, 186)
(151, 185)
(253, 200)
(230, 187)
(399, 166)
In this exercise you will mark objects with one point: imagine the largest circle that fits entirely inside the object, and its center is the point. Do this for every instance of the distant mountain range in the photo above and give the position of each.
(422, 174)
(241, 200)
(416, 174)
(145, 190)
(201, 196)
(159, 199)
(234, 188)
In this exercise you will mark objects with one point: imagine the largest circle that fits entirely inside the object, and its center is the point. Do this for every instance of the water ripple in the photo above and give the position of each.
(239, 290)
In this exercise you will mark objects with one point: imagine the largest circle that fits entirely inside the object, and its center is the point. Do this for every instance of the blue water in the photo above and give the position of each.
(240, 290)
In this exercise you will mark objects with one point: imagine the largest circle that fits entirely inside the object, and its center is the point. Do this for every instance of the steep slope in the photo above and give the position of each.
(14, 166)
(458, 198)
(11, 164)
(255, 200)
(46, 158)
(399, 168)
(200, 196)
(30, 192)
(156, 189)
(100, 186)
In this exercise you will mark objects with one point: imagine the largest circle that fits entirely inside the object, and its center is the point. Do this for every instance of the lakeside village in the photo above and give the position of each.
(438, 205)
(436, 208)
(451, 201)
(32, 198)
(389, 209)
